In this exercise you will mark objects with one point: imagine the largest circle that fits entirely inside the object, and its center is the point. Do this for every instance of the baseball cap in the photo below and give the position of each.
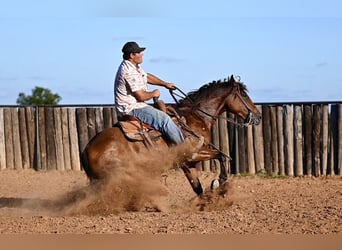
(132, 47)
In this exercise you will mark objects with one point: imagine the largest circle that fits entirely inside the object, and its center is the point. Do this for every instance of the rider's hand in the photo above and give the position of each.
(169, 85)
(156, 93)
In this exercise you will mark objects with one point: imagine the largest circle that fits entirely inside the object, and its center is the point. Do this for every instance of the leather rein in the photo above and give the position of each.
(233, 121)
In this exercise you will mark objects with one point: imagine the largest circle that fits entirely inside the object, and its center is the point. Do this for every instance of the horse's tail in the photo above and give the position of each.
(86, 165)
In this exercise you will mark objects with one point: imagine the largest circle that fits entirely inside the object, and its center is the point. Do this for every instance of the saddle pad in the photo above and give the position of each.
(134, 130)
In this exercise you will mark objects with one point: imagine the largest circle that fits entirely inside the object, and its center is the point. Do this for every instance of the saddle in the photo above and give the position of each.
(136, 130)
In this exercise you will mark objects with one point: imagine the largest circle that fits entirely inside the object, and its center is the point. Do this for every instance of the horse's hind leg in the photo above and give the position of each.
(192, 176)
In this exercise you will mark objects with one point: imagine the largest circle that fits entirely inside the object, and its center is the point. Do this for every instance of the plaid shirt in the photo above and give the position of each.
(129, 79)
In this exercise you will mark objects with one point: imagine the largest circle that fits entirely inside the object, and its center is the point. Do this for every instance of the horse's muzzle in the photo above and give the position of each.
(256, 118)
(253, 119)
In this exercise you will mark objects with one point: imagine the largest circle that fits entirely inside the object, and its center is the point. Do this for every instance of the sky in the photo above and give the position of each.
(284, 51)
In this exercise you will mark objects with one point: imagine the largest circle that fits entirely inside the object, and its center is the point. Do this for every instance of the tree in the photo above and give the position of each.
(40, 96)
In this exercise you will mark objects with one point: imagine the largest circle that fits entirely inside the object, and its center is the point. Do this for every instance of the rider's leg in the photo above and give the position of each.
(160, 121)
(163, 122)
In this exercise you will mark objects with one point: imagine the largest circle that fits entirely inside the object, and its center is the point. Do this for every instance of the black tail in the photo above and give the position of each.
(85, 164)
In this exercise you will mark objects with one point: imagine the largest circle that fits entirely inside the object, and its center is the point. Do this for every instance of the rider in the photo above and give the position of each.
(131, 92)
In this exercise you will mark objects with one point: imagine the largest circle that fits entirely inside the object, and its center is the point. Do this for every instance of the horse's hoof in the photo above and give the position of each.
(214, 184)
(198, 190)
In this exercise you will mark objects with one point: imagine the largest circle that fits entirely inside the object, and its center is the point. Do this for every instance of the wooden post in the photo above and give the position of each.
(325, 138)
(232, 144)
(66, 138)
(258, 147)
(215, 139)
(339, 162)
(308, 139)
(288, 140)
(18, 163)
(107, 117)
(51, 151)
(274, 141)
(74, 146)
(298, 131)
(224, 137)
(331, 155)
(2, 141)
(42, 139)
(250, 151)
(280, 135)
(242, 149)
(59, 139)
(114, 116)
(24, 139)
(267, 130)
(98, 119)
(316, 139)
(335, 137)
(82, 127)
(91, 122)
(30, 113)
(9, 138)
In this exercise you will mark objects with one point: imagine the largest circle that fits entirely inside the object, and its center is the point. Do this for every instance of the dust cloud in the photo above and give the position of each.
(137, 184)
(134, 185)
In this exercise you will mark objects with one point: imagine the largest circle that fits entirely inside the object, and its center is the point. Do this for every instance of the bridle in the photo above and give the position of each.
(248, 120)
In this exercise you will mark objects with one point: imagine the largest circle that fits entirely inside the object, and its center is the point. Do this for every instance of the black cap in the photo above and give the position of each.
(132, 47)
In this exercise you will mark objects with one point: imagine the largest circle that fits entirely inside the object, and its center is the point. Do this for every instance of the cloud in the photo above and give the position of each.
(320, 65)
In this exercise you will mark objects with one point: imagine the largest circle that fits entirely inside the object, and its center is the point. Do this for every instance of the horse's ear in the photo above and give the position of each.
(232, 78)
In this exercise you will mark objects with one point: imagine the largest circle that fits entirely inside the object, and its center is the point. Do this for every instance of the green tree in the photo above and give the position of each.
(40, 96)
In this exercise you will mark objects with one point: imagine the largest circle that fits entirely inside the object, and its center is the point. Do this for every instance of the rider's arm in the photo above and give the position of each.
(152, 79)
(142, 95)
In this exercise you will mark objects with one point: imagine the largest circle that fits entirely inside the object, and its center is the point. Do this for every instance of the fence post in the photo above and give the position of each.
(2, 141)
(289, 158)
(258, 141)
(316, 139)
(280, 135)
(308, 139)
(298, 132)
(339, 164)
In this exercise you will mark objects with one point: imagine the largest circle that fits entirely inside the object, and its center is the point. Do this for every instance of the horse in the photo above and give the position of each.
(200, 109)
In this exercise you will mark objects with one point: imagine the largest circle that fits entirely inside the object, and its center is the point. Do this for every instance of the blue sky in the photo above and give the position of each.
(282, 50)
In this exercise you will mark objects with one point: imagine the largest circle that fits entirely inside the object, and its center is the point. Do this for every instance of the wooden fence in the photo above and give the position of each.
(292, 139)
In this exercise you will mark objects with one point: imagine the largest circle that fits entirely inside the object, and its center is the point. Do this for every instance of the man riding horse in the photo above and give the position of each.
(131, 93)
(110, 150)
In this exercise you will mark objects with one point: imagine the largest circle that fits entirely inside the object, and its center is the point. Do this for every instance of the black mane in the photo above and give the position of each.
(209, 88)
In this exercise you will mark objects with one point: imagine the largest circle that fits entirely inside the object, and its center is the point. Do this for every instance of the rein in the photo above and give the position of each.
(233, 121)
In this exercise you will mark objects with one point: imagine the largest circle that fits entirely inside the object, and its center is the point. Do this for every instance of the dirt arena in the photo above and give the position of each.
(54, 202)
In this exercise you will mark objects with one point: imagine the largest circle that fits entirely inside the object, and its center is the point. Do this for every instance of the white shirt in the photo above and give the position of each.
(129, 79)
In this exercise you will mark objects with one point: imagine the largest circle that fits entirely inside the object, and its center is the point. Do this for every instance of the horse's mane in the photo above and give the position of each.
(203, 91)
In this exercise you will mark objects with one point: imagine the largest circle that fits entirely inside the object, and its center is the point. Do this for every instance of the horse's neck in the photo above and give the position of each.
(202, 117)
(206, 110)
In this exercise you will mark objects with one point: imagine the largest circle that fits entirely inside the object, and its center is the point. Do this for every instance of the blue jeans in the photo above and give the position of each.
(160, 121)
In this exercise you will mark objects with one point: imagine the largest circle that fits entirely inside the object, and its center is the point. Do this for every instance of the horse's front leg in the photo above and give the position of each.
(191, 174)
(210, 154)
(223, 176)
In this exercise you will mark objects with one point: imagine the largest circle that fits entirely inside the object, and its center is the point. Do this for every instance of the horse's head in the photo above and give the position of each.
(212, 99)
(240, 103)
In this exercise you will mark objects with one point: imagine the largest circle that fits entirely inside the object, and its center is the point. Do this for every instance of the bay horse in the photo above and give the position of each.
(200, 109)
